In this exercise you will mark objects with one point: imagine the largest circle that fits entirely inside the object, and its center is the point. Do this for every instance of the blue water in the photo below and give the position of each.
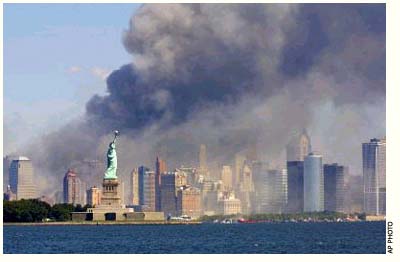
(294, 238)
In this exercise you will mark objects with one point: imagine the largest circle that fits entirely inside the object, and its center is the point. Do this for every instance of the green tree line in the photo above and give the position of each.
(34, 210)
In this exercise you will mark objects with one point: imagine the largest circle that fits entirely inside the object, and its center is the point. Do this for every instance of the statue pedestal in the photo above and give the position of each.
(110, 195)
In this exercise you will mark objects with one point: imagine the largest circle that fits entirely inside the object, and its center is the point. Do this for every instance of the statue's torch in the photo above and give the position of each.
(116, 133)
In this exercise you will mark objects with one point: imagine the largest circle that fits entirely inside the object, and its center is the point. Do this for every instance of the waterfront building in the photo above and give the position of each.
(170, 184)
(246, 184)
(226, 177)
(72, 188)
(135, 187)
(189, 201)
(190, 173)
(280, 189)
(295, 186)
(161, 167)
(203, 171)
(21, 178)
(374, 173)
(229, 205)
(93, 196)
(299, 147)
(334, 191)
(239, 162)
(147, 180)
(209, 191)
(313, 183)
(271, 189)
(203, 157)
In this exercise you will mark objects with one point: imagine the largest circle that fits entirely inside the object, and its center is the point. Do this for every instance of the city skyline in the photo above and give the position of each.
(261, 188)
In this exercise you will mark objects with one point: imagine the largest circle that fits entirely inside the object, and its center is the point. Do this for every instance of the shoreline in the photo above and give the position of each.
(113, 223)
(102, 223)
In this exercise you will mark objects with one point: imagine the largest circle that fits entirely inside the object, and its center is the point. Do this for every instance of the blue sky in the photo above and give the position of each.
(56, 56)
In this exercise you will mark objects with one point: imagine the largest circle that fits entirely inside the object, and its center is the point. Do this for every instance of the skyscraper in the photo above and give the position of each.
(299, 147)
(189, 201)
(246, 184)
(313, 183)
(374, 173)
(271, 190)
(168, 195)
(203, 157)
(161, 167)
(21, 178)
(72, 188)
(295, 186)
(239, 162)
(226, 177)
(147, 189)
(334, 192)
(135, 187)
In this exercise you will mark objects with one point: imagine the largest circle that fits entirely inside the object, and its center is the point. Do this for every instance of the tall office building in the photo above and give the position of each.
(313, 183)
(226, 177)
(135, 187)
(246, 184)
(93, 196)
(190, 173)
(21, 178)
(299, 147)
(168, 194)
(147, 189)
(72, 188)
(281, 190)
(161, 167)
(209, 192)
(189, 201)
(334, 191)
(239, 162)
(295, 186)
(374, 173)
(271, 190)
(203, 157)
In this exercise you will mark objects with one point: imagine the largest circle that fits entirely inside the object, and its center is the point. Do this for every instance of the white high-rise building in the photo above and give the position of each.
(299, 147)
(21, 178)
(374, 173)
(226, 177)
(203, 157)
(313, 183)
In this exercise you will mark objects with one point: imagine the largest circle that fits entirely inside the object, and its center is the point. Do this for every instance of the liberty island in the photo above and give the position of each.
(112, 207)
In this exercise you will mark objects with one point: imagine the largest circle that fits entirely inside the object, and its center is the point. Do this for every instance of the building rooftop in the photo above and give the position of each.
(20, 158)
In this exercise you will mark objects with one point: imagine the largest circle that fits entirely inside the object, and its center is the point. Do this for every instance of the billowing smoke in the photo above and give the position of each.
(234, 76)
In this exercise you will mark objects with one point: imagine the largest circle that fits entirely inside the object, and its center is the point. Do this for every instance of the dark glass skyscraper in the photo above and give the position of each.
(334, 192)
(374, 173)
(295, 186)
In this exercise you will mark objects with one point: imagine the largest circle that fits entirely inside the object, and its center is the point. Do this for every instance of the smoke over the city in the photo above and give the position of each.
(234, 76)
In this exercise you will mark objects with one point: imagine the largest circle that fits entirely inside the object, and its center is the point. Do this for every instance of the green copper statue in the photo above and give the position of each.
(111, 172)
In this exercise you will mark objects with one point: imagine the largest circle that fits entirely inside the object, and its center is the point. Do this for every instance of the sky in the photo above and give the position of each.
(56, 56)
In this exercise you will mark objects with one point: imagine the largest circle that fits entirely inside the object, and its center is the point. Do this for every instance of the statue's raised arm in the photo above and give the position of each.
(111, 172)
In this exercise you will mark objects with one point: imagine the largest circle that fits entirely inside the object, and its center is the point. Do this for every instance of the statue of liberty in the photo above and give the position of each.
(111, 172)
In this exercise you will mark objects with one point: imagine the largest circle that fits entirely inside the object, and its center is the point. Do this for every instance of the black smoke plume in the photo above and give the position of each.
(234, 76)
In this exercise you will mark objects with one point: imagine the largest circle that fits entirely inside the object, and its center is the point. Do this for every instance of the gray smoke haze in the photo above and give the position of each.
(232, 76)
